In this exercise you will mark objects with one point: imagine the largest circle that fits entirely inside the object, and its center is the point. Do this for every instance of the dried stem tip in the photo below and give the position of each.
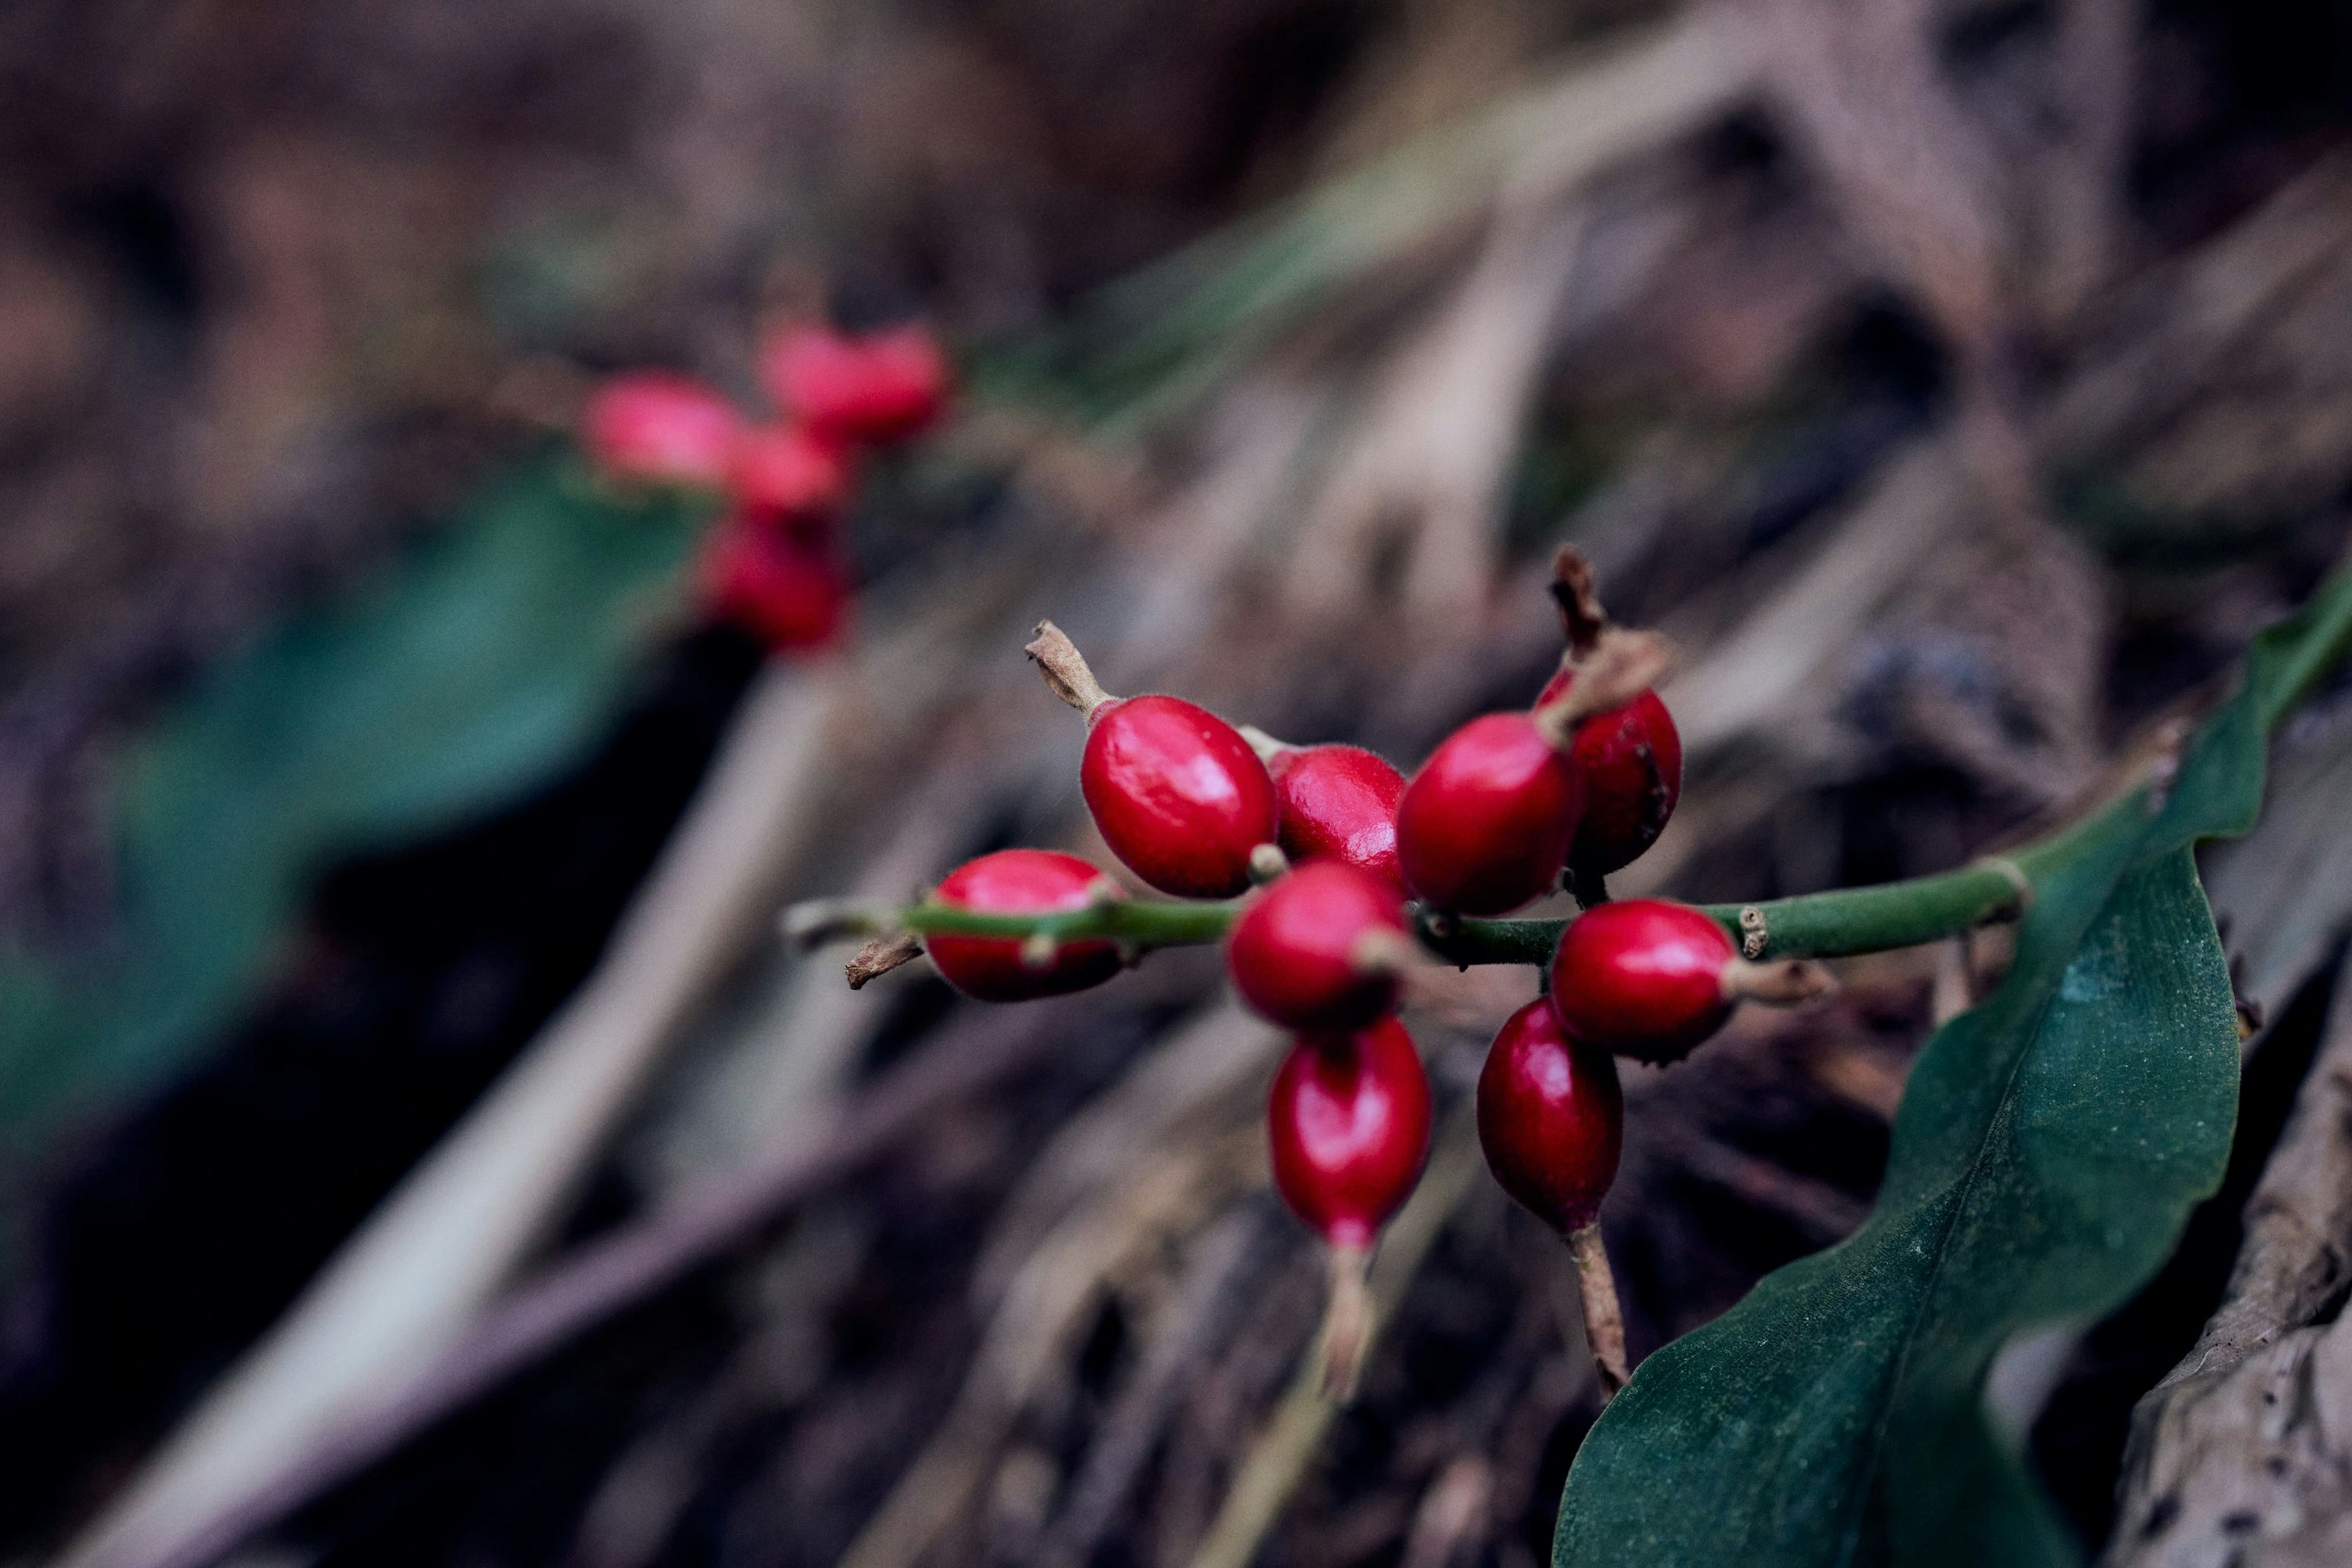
(1347, 1323)
(1268, 864)
(1065, 670)
(881, 955)
(1581, 618)
(1784, 983)
(1623, 665)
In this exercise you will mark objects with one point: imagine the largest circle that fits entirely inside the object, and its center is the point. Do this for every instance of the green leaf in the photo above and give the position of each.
(2049, 1148)
(487, 656)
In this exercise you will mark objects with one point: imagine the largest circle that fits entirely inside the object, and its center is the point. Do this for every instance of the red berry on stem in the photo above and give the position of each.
(1644, 977)
(784, 472)
(790, 592)
(1338, 803)
(1349, 1122)
(1631, 759)
(1485, 825)
(653, 427)
(879, 388)
(1023, 882)
(1320, 948)
(1178, 794)
(1550, 1118)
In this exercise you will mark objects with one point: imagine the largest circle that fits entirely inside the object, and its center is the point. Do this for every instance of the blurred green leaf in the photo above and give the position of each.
(489, 655)
(2050, 1146)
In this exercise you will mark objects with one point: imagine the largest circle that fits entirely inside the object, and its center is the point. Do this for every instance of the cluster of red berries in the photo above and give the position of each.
(774, 563)
(1335, 841)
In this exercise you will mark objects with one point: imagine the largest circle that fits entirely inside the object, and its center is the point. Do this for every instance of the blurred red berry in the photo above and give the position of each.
(1338, 803)
(654, 426)
(1021, 882)
(1550, 1117)
(1319, 949)
(1347, 1123)
(791, 591)
(783, 471)
(879, 388)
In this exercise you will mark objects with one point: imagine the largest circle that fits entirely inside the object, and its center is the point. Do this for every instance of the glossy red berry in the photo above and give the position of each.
(1349, 1124)
(883, 387)
(1338, 803)
(1631, 759)
(1179, 795)
(1318, 950)
(1550, 1118)
(785, 472)
(789, 590)
(1021, 882)
(1485, 825)
(1644, 977)
(654, 426)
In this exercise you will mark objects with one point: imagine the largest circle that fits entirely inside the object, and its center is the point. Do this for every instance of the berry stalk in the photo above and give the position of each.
(1604, 1321)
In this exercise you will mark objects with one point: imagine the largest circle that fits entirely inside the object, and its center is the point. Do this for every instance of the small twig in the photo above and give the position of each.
(880, 956)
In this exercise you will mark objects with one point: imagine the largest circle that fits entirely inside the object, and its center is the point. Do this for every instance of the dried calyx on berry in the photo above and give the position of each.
(1650, 979)
(1485, 825)
(1018, 969)
(1630, 755)
(1347, 1125)
(1335, 802)
(1324, 948)
(1178, 794)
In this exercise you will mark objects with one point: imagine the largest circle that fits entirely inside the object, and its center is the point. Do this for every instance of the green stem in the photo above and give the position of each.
(1812, 925)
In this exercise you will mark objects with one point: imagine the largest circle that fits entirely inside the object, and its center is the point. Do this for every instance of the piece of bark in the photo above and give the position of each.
(2243, 1455)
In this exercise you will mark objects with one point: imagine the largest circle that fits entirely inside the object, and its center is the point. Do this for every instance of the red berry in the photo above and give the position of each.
(884, 387)
(1177, 794)
(1631, 759)
(785, 472)
(1348, 1122)
(1021, 882)
(790, 592)
(654, 426)
(1550, 1117)
(1316, 950)
(1642, 978)
(1485, 825)
(1338, 803)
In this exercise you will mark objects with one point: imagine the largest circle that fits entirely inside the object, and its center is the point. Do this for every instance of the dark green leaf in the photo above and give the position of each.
(487, 656)
(2050, 1146)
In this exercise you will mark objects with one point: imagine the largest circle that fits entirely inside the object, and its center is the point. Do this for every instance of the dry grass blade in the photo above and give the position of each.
(1277, 1463)
(408, 1281)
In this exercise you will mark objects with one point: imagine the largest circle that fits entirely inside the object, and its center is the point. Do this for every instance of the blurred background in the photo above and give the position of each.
(1960, 384)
